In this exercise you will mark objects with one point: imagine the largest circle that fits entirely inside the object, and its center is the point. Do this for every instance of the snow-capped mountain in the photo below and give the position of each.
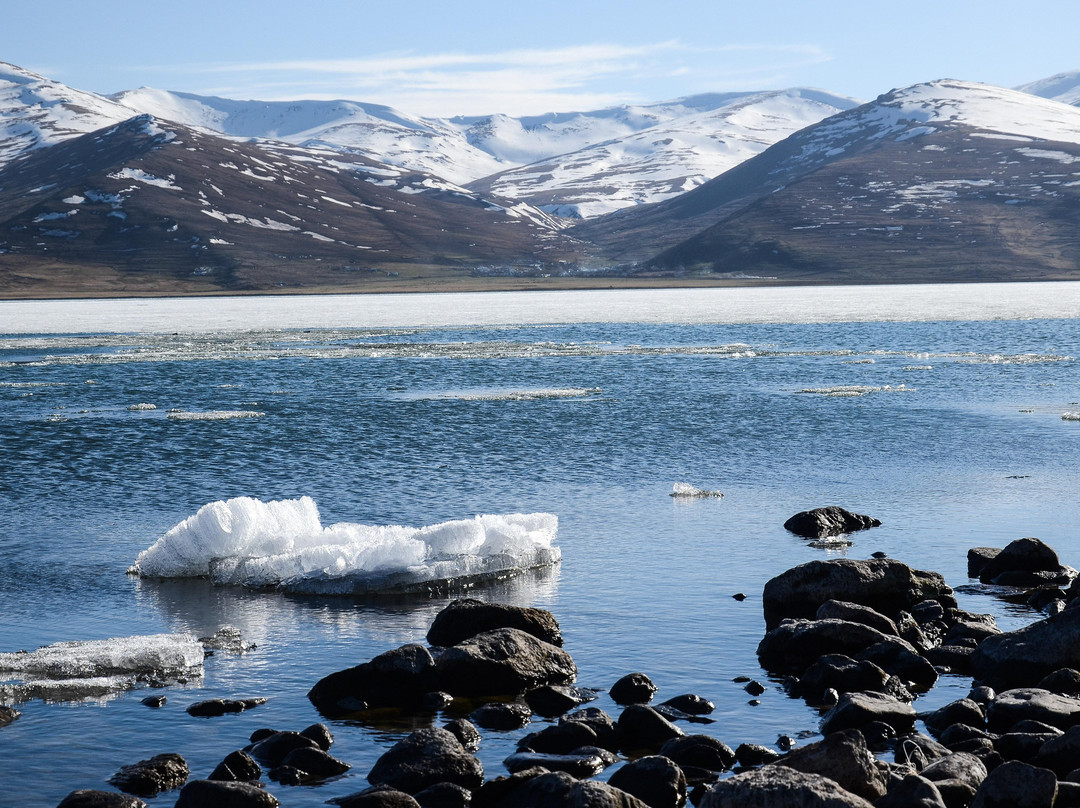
(1063, 87)
(36, 112)
(683, 145)
(946, 180)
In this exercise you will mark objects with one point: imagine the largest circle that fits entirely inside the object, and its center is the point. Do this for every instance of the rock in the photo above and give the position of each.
(880, 737)
(436, 700)
(773, 786)
(8, 714)
(976, 630)
(832, 520)
(899, 659)
(203, 793)
(155, 702)
(468, 617)
(1017, 785)
(914, 791)
(1064, 681)
(315, 762)
(1025, 562)
(951, 658)
(882, 584)
(550, 701)
(216, 707)
(796, 644)
(1022, 746)
(602, 725)
(261, 734)
(577, 765)
(961, 711)
(856, 613)
(699, 751)
(377, 797)
(560, 739)
(273, 749)
(854, 710)
(290, 776)
(1023, 657)
(501, 715)
(841, 673)
(1060, 754)
(444, 795)
(750, 755)
(918, 751)
(754, 688)
(1032, 703)
(690, 704)
(641, 727)
(237, 767)
(320, 733)
(842, 757)
(506, 661)
(92, 798)
(148, 778)
(958, 766)
(634, 688)
(467, 734)
(398, 678)
(426, 757)
(536, 788)
(655, 780)
(956, 793)
(978, 558)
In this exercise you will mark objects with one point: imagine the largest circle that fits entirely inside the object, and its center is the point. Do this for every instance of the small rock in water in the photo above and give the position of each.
(832, 520)
(154, 701)
(634, 688)
(92, 798)
(216, 707)
(755, 688)
(786, 743)
(148, 778)
(7, 715)
(739, 596)
(690, 704)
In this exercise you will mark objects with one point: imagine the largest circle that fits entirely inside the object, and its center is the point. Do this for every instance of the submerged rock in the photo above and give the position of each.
(148, 778)
(831, 520)
(216, 707)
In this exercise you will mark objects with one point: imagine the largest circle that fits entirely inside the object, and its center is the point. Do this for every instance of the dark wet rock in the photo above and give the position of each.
(927, 611)
(856, 613)
(261, 734)
(315, 762)
(855, 710)
(880, 737)
(426, 757)
(203, 793)
(754, 688)
(578, 765)
(320, 733)
(377, 797)
(7, 715)
(1025, 562)
(273, 749)
(537, 788)
(655, 780)
(750, 755)
(641, 727)
(150, 701)
(634, 688)
(956, 793)
(952, 658)
(398, 678)
(772, 786)
(918, 751)
(699, 751)
(467, 617)
(690, 704)
(237, 766)
(506, 661)
(1064, 681)
(554, 700)
(897, 658)
(147, 778)
(466, 733)
(1017, 785)
(1022, 746)
(978, 558)
(602, 725)
(914, 791)
(1068, 795)
(501, 715)
(831, 520)
(1060, 754)
(968, 629)
(1023, 657)
(436, 700)
(1032, 703)
(560, 739)
(843, 757)
(444, 795)
(882, 584)
(215, 707)
(841, 673)
(92, 798)
(960, 734)
(960, 766)
(673, 715)
(961, 711)
(794, 645)
(290, 776)
(982, 695)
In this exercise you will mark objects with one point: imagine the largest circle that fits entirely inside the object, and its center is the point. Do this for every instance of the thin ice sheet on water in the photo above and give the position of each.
(283, 544)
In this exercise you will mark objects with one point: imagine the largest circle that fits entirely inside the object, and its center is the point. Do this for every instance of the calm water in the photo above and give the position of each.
(409, 410)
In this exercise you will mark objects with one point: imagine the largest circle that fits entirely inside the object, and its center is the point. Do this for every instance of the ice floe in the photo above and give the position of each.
(97, 668)
(855, 390)
(1070, 416)
(212, 415)
(687, 491)
(282, 544)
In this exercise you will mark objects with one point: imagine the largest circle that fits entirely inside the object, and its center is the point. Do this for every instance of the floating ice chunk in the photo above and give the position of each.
(1070, 416)
(142, 407)
(283, 544)
(855, 390)
(90, 669)
(212, 415)
(685, 490)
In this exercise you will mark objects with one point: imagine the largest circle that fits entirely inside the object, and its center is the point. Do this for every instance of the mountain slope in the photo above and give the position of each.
(668, 157)
(150, 201)
(1064, 87)
(941, 181)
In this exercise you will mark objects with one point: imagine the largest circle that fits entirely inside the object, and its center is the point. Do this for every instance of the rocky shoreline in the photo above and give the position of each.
(859, 640)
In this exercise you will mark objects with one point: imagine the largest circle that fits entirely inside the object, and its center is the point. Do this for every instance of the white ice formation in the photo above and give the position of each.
(97, 668)
(1070, 416)
(282, 544)
(687, 491)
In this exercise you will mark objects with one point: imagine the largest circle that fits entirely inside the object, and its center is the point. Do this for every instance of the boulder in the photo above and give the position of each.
(917, 751)
(854, 710)
(215, 707)
(466, 733)
(773, 786)
(549, 701)
(897, 658)
(501, 715)
(1023, 657)
(1017, 785)
(1032, 703)
(585, 764)
(315, 763)
(794, 645)
(320, 733)
(960, 766)
(272, 749)
(426, 757)
(831, 520)
(634, 688)
(378, 797)
(641, 727)
(841, 673)
(842, 757)
(148, 778)
(750, 755)
(201, 793)
(1060, 754)
(92, 798)
(8, 714)
(914, 791)
(1025, 562)
(237, 767)
(398, 678)
(602, 725)
(505, 661)
(655, 780)
(468, 617)
(444, 795)
(1064, 681)
(561, 738)
(700, 752)
(690, 704)
(856, 613)
(882, 584)
(961, 711)
(553, 790)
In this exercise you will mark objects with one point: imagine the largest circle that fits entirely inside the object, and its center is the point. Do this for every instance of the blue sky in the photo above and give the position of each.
(464, 57)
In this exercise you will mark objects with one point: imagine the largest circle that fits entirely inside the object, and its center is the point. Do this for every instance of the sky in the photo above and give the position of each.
(460, 57)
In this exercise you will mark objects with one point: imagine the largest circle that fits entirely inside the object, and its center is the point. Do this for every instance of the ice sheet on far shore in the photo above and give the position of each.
(97, 668)
(283, 545)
